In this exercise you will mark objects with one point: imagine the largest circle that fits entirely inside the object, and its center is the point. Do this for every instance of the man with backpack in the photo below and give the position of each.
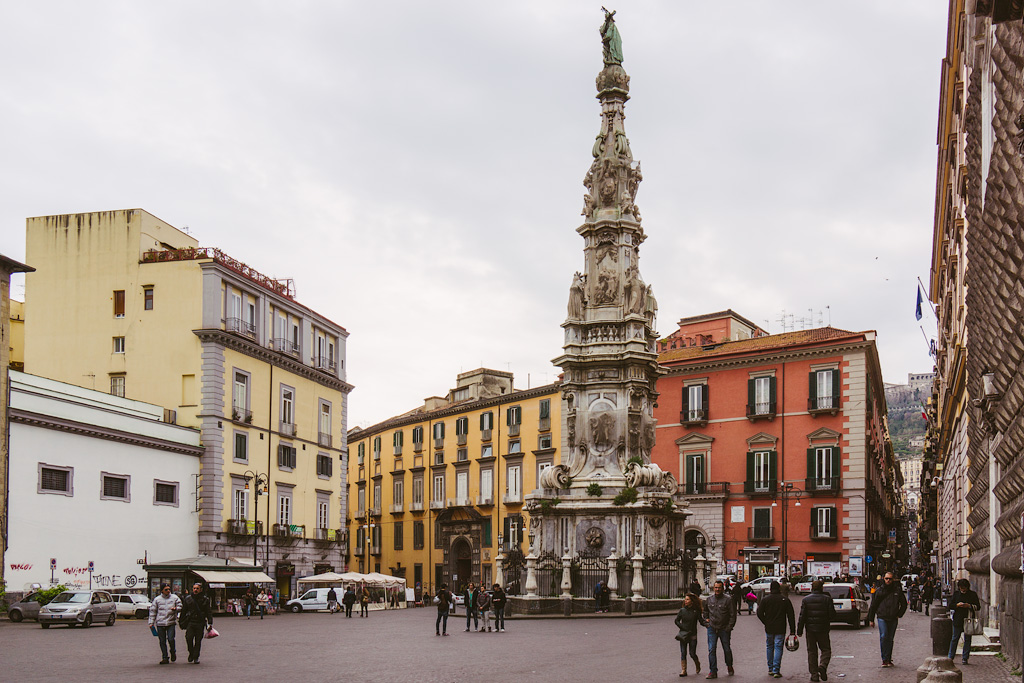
(817, 612)
(888, 604)
(196, 617)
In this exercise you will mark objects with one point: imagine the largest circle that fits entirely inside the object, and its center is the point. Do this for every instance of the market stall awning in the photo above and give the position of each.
(233, 577)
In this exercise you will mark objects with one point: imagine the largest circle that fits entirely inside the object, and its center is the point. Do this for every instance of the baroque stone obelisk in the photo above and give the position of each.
(606, 484)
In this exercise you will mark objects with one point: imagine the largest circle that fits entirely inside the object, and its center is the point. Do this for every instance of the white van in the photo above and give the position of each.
(313, 599)
(907, 579)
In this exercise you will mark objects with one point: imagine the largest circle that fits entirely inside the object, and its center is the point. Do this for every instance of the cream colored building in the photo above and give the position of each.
(437, 488)
(124, 302)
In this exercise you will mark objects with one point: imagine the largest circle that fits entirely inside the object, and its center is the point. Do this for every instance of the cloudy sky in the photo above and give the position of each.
(417, 167)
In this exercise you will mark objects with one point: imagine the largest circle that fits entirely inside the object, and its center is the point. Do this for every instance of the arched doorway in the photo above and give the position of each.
(461, 563)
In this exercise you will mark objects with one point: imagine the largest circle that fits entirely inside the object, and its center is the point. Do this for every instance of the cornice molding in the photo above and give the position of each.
(688, 366)
(82, 429)
(245, 346)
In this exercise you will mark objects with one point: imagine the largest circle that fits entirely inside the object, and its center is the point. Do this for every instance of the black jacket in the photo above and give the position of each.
(196, 612)
(816, 613)
(350, 597)
(888, 603)
(498, 599)
(961, 613)
(686, 621)
(774, 611)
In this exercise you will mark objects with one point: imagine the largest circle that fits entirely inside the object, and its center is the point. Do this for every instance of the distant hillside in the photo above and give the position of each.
(905, 418)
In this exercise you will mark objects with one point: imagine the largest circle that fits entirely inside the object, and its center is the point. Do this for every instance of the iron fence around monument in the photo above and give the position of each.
(667, 573)
(549, 575)
(514, 572)
(587, 569)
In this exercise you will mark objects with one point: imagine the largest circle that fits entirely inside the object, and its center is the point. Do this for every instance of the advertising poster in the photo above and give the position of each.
(731, 566)
(856, 566)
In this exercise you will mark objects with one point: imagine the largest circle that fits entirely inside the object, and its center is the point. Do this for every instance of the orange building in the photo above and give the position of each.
(780, 445)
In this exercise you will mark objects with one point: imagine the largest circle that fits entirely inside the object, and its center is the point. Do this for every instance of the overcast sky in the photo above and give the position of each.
(417, 167)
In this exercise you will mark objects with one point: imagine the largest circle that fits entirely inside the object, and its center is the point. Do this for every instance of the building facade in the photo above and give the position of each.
(780, 446)
(225, 349)
(972, 453)
(113, 463)
(435, 491)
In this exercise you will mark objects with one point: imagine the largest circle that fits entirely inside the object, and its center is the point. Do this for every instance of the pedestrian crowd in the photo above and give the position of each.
(480, 604)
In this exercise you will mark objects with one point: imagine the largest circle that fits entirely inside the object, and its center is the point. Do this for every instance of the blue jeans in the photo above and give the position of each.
(773, 646)
(690, 645)
(499, 618)
(713, 638)
(472, 614)
(166, 635)
(437, 625)
(886, 634)
(957, 632)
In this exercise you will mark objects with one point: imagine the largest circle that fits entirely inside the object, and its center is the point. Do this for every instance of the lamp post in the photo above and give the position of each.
(638, 569)
(531, 571)
(787, 491)
(368, 529)
(260, 482)
(499, 561)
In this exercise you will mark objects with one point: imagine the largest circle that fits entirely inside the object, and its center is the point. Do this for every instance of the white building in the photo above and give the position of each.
(95, 478)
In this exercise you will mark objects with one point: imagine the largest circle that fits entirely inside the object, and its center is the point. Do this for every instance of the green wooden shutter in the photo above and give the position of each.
(749, 485)
(545, 409)
(812, 391)
(772, 466)
(812, 468)
(833, 522)
(771, 394)
(507, 531)
(836, 375)
(750, 395)
(836, 460)
(686, 403)
(814, 522)
(707, 402)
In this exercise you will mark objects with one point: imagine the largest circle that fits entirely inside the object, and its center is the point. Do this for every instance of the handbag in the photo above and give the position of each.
(972, 625)
(212, 633)
(682, 636)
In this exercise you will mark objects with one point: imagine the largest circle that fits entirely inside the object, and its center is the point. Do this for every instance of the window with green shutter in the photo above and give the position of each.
(823, 390)
(761, 397)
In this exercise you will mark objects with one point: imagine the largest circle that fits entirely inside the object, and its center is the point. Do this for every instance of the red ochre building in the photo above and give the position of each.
(780, 444)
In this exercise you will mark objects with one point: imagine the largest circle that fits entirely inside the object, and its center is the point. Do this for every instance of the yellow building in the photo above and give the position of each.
(435, 489)
(123, 301)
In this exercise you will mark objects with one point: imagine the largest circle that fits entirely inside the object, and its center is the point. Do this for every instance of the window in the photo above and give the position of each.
(376, 495)
(241, 453)
(695, 403)
(399, 533)
(438, 431)
(823, 522)
(438, 487)
(119, 303)
(56, 479)
(240, 504)
(487, 484)
(486, 423)
(824, 390)
(118, 344)
(763, 524)
(513, 525)
(376, 448)
(325, 424)
(361, 501)
(514, 416)
(545, 409)
(439, 458)
(417, 438)
(822, 468)
(165, 493)
(514, 483)
(695, 475)
(514, 446)
(397, 440)
(360, 454)
(544, 442)
(761, 396)
(462, 426)
(240, 397)
(117, 385)
(295, 337)
(147, 298)
(462, 487)
(399, 492)
(323, 510)
(417, 491)
(541, 466)
(287, 409)
(282, 331)
(417, 535)
(286, 457)
(249, 316)
(761, 472)
(284, 508)
(486, 451)
(462, 455)
(324, 465)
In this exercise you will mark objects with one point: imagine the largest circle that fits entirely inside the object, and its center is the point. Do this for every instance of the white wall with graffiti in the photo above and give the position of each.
(95, 478)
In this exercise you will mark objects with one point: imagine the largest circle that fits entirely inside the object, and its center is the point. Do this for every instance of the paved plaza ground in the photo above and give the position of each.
(401, 646)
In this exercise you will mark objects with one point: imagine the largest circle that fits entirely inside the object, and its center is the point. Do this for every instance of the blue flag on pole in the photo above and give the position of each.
(917, 312)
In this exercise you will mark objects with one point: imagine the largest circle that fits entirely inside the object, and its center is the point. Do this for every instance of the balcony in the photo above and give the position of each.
(822, 485)
(439, 444)
(330, 535)
(823, 404)
(545, 424)
(822, 534)
(697, 416)
(417, 446)
(375, 549)
(761, 410)
(484, 501)
(460, 439)
(416, 507)
(326, 364)
(239, 326)
(512, 500)
(513, 430)
(709, 488)
(324, 440)
(437, 505)
(760, 487)
(245, 527)
(375, 511)
(459, 502)
(761, 533)
(359, 550)
(485, 434)
(288, 428)
(292, 531)
(241, 415)
(286, 346)
(398, 449)
(396, 508)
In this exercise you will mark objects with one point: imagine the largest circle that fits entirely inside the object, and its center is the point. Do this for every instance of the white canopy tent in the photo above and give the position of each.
(390, 590)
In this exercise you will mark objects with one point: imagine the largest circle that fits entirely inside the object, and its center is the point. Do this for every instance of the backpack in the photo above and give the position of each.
(187, 605)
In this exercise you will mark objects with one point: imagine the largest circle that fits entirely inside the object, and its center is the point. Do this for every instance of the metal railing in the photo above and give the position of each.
(241, 414)
(760, 487)
(324, 440)
(288, 428)
(245, 527)
(761, 533)
(695, 415)
(396, 507)
(286, 346)
(761, 409)
(822, 403)
(821, 484)
(325, 363)
(706, 488)
(822, 533)
(239, 326)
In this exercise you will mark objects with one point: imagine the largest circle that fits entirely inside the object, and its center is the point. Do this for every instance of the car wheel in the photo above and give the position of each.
(296, 609)
(111, 619)
(141, 614)
(88, 620)
(45, 625)
(15, 615)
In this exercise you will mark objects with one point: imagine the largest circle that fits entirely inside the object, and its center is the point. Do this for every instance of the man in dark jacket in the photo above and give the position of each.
(348, 600)
(498, 602)
(889, 603)
(469, 599)
(773, 612)
(196, 617)
(961, 604)
(720, 615)
(817, 614)
(928, 594)
(332, 601)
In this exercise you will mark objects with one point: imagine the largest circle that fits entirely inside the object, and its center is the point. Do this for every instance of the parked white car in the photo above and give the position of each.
(804, 585)
(131, 605)
(850, 602)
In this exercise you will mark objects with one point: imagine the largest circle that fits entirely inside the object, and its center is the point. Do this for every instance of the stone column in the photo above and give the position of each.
(699, 562)
(613, 575)
(531, 575)
(566, 575)
(638, 575)
(499, 569)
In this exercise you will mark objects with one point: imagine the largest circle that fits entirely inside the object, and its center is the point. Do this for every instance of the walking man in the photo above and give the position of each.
(263, 600)
(197, 616)
(469, 598)
(444, 600)
(774, 611)
(889, 604)
(961, 604)
(928, 594)
(720, 615)
(162, 613)
(349, 600)
(332, 601)
(498, 600)
(364, 603)
(816, 614)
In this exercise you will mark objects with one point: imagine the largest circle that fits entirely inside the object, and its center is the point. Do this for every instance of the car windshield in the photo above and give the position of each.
(72, 597)
(839, 592)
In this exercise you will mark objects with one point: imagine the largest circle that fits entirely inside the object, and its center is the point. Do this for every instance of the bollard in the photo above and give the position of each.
(944, 671)
(567, 607)
(926, 668)
(940, 611)
(942, 634)
(629, 608)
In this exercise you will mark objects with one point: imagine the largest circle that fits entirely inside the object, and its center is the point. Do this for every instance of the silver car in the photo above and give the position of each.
(79, 607)
(26, 608)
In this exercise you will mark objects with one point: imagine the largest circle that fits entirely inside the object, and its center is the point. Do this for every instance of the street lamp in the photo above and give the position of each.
(787, 491)
(260, 482)
(368, 529)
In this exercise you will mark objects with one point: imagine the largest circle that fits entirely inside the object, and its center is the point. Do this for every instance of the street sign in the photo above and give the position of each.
(870, 559)
(92, 566)
(53, 560)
